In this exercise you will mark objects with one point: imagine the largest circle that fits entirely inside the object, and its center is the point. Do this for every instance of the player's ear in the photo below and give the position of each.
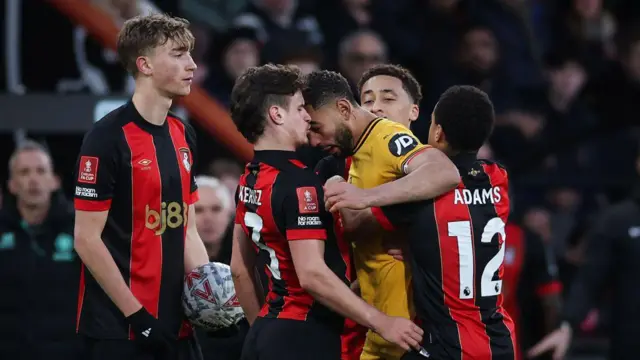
(414, 113)
(344, 108)
(275, 115)
(144, 65)
(12, 186)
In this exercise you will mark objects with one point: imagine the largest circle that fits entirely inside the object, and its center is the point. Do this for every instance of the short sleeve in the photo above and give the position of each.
(304, 210)
(190, 135)
(392, 217)
(96, 172)
(396, 146)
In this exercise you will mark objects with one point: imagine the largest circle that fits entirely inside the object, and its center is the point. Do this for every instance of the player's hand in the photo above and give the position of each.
(339, 194)
(557, 341)
(400, 331)
(149, 332)
(394, 248)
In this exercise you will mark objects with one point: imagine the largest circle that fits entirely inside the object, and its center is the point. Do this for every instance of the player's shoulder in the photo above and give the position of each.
(396, 138)
(298, 174)
(109, 128)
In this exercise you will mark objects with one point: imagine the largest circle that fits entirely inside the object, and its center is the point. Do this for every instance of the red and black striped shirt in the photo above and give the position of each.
(141, 174)
(280, 200)
(456, 251)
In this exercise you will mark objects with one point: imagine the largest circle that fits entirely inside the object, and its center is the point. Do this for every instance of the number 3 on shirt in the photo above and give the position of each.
(254, 222)
(461, 230)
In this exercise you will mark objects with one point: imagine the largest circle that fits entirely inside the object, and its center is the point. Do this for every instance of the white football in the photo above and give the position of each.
(209, 297)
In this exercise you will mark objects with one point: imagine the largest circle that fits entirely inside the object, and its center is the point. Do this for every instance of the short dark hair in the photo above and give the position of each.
(409, 82)
(466, 116)
(323, 86)
(256, 90)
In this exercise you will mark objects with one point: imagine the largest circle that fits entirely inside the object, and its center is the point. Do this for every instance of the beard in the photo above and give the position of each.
(344, 140)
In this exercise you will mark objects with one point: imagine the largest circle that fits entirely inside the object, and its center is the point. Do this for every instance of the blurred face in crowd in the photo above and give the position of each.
(479, 50)
(588, 9)
(329, 130)
(385, 96)
(239, 56)
(213, 216)
(568, 80)
(362, 53)
(31, 178)
(170, 67)
(306, 66)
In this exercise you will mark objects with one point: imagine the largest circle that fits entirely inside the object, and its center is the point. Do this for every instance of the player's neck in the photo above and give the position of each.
(273, 143)
(362, 119)
(33, 214)
(151, 104)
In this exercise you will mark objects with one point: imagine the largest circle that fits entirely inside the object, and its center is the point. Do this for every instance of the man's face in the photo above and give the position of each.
(240, 56)
(366, 52)
(436, 135)
(296, 120)
(212, 218)
(172, 69)
(329, 130)
(32, 180)
(480, 50)
(385, 96)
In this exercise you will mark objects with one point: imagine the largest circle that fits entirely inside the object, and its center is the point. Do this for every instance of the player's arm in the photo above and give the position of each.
(95, 183)
(429, 173)
(545, 274)
(423, 173)
(246, 282)
(195, 253)
(306, 234)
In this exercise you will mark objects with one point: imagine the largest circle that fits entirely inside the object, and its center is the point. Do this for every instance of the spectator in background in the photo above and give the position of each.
(227, 172)
(237, 50)
(611, 262)
(214, 212)
(278, 19)
(37, 262)
(358, 52)
(213, 217)
(587, 26)
(211, 14)
(308, 59)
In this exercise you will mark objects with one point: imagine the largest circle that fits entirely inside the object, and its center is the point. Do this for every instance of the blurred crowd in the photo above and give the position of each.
(564, 76)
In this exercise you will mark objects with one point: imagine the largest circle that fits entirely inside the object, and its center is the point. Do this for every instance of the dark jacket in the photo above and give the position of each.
(39, 274)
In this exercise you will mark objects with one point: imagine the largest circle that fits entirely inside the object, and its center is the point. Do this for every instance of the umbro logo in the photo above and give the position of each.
(147, 332)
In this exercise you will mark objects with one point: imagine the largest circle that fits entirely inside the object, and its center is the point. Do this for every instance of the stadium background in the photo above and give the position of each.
(564, 76)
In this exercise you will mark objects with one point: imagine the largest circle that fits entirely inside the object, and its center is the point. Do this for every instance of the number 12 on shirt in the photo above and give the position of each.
(462, 231)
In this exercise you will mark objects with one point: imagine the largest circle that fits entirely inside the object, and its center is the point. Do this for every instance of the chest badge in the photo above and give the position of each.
(186, 162)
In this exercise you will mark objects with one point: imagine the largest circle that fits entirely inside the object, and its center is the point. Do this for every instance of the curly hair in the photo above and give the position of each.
(258, 89)
(409, 82)
(466, 116)
(323, 86)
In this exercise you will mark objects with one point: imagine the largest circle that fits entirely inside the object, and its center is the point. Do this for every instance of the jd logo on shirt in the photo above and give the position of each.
(401, 143)
(63, 248)
(171, 214)
(7, 241)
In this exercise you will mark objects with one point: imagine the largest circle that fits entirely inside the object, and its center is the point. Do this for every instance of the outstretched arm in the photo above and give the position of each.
(429, 173)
